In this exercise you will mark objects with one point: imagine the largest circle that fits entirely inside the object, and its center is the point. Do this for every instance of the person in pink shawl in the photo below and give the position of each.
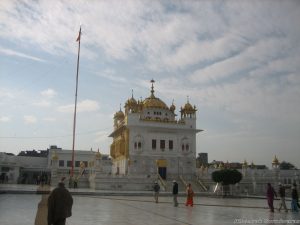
(270, 196)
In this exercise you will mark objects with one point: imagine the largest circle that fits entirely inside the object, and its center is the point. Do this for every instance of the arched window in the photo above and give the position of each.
(185, 146)
(138, 142)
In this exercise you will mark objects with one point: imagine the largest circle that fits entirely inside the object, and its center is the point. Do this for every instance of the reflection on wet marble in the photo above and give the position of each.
(18, 209)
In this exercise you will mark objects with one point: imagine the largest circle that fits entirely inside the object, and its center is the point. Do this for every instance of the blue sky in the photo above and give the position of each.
(238, 61)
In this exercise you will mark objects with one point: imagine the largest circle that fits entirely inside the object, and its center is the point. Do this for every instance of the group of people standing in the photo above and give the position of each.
(271, 194)
(189, 193)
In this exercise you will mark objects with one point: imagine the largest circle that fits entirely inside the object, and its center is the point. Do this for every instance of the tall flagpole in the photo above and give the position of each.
(75, 107)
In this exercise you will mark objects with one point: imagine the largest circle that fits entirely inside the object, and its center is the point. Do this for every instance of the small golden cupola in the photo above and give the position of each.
(172, 107)
(118, 118)
(275, 161)
(98, 154)
(188, 110)
(153, 102)
(119, 115)
(131, 105)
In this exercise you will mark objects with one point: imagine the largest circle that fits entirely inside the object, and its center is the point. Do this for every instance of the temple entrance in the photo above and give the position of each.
(162, 168)
(162, 172)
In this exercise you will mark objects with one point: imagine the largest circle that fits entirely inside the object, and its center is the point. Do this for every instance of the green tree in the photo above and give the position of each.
(226, 177)
(286, 166)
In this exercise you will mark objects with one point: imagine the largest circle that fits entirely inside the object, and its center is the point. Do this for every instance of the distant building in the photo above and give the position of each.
(28, 165)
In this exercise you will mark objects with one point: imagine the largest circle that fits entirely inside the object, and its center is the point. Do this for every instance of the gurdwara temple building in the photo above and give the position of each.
(148, 138)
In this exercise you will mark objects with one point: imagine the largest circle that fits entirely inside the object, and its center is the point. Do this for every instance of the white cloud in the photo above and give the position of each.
(11, 52)
(30, 119)
(198, 51)
(6, 94)
(48, 93)
(83, 106)
(49, 119)
(42, 103)
(255, 56)
(110, 74)
(4, 119)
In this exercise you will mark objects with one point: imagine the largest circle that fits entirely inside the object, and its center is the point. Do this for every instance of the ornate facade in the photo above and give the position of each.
(148, 139)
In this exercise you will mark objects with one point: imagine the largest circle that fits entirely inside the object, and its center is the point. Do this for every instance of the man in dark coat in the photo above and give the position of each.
(295, 199)
(60, 204)
(175, 193)
(281, 192)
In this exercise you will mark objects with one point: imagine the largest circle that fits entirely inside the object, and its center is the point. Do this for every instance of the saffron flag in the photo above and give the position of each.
(79, 35)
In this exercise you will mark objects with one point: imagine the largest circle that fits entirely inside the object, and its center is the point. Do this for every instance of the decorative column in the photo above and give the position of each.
(276, 169)
(54, 167)
(245, 168)
(98, 159)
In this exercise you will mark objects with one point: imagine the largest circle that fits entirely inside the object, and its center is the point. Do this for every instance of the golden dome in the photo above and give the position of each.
(119, 115)
(153, 102)
(188, 107)
(131, 102)
(275, 160)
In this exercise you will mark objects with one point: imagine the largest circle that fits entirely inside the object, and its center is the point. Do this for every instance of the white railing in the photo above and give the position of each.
(163, 183)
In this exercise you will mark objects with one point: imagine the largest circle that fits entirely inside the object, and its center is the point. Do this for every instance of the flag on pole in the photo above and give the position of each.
(79, 35)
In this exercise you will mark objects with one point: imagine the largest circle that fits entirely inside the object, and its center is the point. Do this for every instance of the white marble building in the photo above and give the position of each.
(149, 139)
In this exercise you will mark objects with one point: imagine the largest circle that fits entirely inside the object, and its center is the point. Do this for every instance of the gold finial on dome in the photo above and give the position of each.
(172, 107)
(153, 102)
(275, 161)
(152, 88)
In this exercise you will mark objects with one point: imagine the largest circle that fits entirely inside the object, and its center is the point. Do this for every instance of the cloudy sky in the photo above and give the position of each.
(238, 61)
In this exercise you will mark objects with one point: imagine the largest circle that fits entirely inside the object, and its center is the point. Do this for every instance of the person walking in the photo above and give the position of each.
(295, 199)
(156, 189)
(281, 192)
(175, 193)
(60, 204)
(190, 195)
(270, 196)
(75, 182)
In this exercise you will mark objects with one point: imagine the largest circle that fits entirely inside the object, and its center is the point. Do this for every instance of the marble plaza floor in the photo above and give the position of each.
(19, 209)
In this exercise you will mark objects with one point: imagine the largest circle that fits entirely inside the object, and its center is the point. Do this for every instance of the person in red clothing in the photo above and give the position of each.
(270, 196)
(190, 195)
